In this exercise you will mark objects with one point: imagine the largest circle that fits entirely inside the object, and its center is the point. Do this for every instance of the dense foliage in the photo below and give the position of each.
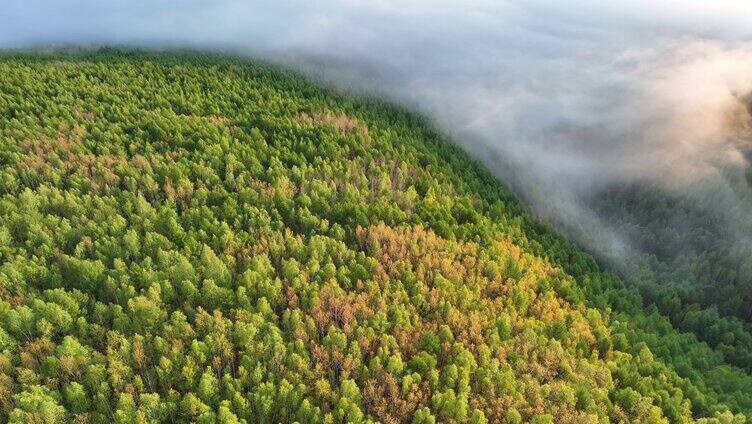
(192, 238)
(692, 255)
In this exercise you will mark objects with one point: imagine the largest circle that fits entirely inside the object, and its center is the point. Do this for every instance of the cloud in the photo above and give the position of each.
(560, 99)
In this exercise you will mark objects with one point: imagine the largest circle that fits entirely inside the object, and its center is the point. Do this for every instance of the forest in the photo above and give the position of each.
(694, 263)
(189, 237)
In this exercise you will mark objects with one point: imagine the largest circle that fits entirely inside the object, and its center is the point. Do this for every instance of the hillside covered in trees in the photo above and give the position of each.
(190, 238)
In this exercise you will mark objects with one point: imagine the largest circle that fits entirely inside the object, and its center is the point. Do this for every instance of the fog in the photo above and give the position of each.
(561, 100)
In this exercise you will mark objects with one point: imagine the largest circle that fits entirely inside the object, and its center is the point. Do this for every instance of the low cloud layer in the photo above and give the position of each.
(560, 99)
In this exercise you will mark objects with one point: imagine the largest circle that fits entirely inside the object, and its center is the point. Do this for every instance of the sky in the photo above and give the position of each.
(558, 98)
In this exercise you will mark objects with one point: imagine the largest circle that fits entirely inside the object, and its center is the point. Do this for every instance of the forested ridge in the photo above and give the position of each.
(694, 262)
(197, 238)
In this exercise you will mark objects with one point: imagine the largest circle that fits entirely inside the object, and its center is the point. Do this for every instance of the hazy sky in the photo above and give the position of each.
(557, 97)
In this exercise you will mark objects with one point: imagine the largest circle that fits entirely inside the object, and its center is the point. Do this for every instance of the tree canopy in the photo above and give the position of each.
(195, 238)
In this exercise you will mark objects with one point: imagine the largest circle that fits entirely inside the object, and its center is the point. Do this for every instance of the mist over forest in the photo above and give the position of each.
(189, 236)
(576, 105)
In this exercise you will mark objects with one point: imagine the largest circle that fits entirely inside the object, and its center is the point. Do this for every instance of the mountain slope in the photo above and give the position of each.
(196, 238)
